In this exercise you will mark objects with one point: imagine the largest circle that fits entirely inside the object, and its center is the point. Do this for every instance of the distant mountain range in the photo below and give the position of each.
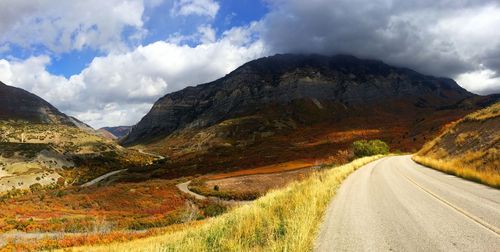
(118, 131)
(287, 107)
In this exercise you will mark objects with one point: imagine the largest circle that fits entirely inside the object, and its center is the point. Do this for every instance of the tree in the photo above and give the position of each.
(364, 148)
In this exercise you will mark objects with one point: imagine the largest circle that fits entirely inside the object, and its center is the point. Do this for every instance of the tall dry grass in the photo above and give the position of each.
(459, 168)
(283, 220)
(469, 148)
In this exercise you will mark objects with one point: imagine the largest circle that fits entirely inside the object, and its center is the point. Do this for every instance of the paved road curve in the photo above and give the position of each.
(396, 204)
(101, 178)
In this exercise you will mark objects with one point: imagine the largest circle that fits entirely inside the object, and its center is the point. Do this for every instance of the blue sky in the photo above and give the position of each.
(107, 62)
(160, 25)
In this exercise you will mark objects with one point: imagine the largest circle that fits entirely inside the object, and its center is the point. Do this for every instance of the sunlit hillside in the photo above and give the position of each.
(469, 148)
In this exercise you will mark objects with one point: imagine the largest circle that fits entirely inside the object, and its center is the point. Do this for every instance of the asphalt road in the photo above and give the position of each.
(184, 187)
(101, 178)
(394, 204)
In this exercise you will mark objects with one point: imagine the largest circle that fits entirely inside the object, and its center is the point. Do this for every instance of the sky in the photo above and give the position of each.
(107, 62)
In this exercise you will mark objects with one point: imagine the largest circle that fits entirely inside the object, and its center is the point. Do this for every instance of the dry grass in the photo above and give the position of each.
(248, 187)
(484, 114)
(283, 220)
(456, 167)
(469, 148)
(275, 168)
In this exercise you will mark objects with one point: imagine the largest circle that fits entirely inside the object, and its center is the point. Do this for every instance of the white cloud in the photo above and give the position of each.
(482, 81)
(62, 26)
(446, 38)
(207, 8)
(119, 89)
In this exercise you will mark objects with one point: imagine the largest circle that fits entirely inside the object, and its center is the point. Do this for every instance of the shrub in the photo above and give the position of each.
(36, 187)
(365, 148)
(212, 209)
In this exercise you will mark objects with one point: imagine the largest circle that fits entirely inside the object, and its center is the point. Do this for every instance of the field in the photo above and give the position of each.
(469, 148)
(282, 220)
(126, 210)
(247, 187)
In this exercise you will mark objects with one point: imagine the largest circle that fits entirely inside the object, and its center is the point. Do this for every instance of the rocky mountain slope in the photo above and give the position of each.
(40, 145)
(289, 107)
(16, 103)
(469, 147)
(282, 79)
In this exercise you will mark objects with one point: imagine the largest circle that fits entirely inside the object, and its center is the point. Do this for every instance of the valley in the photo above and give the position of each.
(276, 135)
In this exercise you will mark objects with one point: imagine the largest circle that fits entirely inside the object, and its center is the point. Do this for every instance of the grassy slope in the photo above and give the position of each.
(470, 148)
(283, 220)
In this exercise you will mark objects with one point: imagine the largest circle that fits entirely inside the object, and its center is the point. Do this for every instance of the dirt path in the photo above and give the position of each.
(184, 187)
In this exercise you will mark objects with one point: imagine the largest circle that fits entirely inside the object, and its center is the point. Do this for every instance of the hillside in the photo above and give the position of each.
(118, 131)
(469, 148)
(40, 145)
(18, 104)
(306, 108)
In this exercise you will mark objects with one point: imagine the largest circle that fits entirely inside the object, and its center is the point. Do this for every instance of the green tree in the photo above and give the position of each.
(364, 148)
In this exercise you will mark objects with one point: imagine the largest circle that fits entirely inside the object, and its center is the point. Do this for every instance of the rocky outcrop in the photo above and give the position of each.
(282, 79)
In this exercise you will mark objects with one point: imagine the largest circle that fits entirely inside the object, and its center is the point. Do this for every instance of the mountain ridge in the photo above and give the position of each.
(269, 69)
(289, 108)
(17, 103)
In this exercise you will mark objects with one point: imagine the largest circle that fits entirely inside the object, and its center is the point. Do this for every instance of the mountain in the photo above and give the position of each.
(118, 131)
(106, 134)
(16, 103)
(469, 148)
(289, 107)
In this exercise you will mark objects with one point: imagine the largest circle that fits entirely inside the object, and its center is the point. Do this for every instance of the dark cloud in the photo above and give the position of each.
(437, 37)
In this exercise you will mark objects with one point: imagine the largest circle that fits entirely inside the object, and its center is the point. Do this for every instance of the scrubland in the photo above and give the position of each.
(283, 220)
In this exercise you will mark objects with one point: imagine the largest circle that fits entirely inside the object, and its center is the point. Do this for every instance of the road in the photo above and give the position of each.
(396, 204)
(109, 174)
(159, 157)
(184, 187)
(101, 178)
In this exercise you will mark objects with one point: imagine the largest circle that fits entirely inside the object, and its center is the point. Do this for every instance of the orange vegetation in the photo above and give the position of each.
(115, 207)
(71, 240)
(277, 142)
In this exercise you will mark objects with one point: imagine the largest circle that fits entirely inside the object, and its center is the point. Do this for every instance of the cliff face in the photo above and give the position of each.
(282, 80)
(18, 104)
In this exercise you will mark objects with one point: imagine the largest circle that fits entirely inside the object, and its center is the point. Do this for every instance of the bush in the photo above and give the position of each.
(212, 209)
(365, 148)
